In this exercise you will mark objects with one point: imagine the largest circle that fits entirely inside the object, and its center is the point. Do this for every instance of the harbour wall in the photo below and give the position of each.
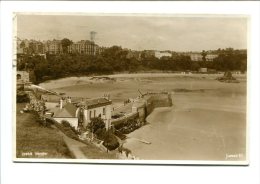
(155, 100)
(144, 105)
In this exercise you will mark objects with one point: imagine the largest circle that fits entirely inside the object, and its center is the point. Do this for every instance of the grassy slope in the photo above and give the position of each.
(93, 152)
(31, 137)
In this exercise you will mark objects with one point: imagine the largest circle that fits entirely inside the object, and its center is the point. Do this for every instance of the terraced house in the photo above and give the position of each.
(53, 47)
(84, 47)
(92, 108)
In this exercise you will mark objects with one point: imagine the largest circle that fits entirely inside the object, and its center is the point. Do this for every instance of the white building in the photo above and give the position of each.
(211, 57)
(100, 107)
(67, 112)
(160, 54)
(22, 77)
(203, 70)
(195, 56)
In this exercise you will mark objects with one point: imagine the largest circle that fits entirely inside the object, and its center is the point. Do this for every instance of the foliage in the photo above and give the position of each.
(67, 130)
(230, 59)
(116, 59)
(128, 126)
(110, 141)
(65, 43)
(204, 54)
(22, 97)
(96, 124)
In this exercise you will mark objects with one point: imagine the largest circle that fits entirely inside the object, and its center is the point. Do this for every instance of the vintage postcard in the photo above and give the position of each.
(130, 88)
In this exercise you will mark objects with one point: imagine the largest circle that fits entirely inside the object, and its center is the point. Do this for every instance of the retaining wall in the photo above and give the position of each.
(117, 121)
(145, 105)
(157, 100)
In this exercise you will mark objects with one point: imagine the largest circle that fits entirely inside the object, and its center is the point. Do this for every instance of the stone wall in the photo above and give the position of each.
(144, 106)
(157, 100)
(132, 115)
(22, 76)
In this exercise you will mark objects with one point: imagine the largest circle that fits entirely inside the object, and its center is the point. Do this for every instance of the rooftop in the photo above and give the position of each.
(93, 103)
(68, 111)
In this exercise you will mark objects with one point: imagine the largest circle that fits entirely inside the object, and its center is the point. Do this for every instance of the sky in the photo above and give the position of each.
(139, 32)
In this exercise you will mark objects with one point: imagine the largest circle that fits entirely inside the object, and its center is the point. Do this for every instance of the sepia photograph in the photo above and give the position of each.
(130, 88)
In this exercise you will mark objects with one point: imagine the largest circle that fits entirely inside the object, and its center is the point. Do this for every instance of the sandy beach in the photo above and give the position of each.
(206, 122)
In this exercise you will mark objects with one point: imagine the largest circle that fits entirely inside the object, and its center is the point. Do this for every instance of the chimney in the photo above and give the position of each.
(107, 96)
(69, 99)
(61, 103)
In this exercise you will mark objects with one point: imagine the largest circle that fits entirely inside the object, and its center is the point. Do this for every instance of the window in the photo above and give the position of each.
(94, 113)
(89, 114)
(104, 111)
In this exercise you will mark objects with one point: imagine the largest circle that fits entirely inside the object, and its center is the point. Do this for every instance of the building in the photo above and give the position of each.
(66, 112)
(160, 54)
(52, 47)
(148, 53)
(195, 56)
(92, 108)
(211, 57)
(35, 47)
(100, 50)
(133, 54)
(29, 47)
(84, 47)
(22, 46)
(203, 70)
(22, 77)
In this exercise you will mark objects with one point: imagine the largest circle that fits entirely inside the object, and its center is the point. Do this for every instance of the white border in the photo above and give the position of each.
(168, 162)
(79, 173)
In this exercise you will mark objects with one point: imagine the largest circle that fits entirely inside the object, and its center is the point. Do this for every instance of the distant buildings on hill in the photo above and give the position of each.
(197, 56)
(33, 47)
(160, 54)
(84, 47)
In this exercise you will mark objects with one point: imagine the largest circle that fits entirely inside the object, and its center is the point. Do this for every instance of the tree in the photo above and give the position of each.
(204, 54)
(31, 48)
(22, 45)
(65, 43)
(95, 124)
(110, 141)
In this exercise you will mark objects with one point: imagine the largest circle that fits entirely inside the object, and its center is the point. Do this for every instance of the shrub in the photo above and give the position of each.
(101, 133)
(122, 149)
(128, 126)
(22, 97)
(110, 141)
(65, 123)
(50, 121)
(67, 131)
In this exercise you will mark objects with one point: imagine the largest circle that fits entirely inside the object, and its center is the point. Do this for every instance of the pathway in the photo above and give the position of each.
(73, 145)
